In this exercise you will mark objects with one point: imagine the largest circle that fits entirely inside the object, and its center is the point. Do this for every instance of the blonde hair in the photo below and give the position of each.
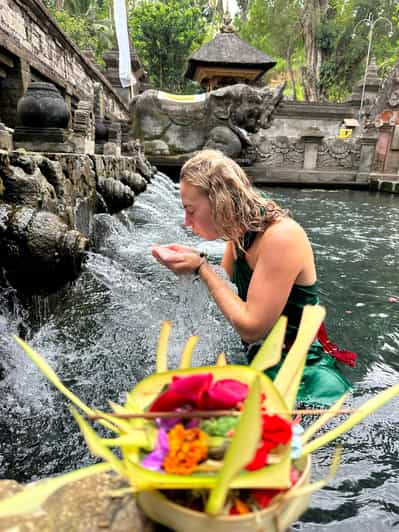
(236, 206)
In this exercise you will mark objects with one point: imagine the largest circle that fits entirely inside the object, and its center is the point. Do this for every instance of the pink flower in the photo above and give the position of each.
(224, 394)
(182, 391)
(154, 459)
(197, 391)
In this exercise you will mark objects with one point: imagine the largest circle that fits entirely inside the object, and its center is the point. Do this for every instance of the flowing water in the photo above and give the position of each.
(101, 340)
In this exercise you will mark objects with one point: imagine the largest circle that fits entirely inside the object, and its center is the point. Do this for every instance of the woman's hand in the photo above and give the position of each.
(177, 258)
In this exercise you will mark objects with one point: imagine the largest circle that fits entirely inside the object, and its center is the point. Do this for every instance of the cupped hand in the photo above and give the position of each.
(179, 259)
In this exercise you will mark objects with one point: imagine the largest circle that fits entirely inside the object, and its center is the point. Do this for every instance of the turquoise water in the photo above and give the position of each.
(101, 340)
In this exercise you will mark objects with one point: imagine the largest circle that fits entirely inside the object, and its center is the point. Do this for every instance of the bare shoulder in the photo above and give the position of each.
(283, 232)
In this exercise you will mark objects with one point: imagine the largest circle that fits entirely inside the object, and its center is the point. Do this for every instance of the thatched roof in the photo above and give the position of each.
(228, 49)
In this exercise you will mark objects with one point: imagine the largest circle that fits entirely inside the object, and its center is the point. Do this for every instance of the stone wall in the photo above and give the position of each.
(47, 205)
(292, 118)
(274, 139)
(33, 47)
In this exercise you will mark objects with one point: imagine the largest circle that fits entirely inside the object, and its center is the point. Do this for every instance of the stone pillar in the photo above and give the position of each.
(101, 125)
(83, 127)
(111, 72)
(368, 142)
(312, 139)
(113, 146)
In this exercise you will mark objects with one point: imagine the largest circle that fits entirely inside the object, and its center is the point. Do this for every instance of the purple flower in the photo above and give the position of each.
(155, 458)
(167, 423)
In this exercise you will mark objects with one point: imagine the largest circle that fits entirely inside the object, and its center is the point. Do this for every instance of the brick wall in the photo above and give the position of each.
(31, 35)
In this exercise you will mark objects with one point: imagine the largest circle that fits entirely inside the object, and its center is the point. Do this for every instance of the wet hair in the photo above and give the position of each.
(235, 205)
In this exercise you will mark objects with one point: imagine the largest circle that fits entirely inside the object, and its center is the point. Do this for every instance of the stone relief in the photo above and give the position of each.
(279, 151)
(83, 120)
(225, 119)
(335, 153)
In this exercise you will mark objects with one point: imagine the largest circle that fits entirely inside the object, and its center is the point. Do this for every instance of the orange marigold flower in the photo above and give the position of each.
(187, 447)
(239, 507)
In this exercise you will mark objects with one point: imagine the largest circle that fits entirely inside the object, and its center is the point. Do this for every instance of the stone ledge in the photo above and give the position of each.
(83, 506)
(299, 176)
(383, 185)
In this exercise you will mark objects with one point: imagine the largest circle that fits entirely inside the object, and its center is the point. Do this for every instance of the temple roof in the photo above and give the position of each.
(227, 49)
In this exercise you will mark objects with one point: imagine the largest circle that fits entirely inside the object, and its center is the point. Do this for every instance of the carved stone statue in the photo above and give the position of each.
(225, 118)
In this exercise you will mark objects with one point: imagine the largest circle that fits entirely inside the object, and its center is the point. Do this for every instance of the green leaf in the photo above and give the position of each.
(276, 476)
(162, 348)
(270, 352)
(241, 449)
(315, 486)
(53, 378)
(289, 376)
(365, 410)
(138, 438)
(96, 445)
(34, 495)
(51, 375)
(186, 356)
(331, 412)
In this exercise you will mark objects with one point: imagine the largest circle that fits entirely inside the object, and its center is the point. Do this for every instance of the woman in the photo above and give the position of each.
(268, 256)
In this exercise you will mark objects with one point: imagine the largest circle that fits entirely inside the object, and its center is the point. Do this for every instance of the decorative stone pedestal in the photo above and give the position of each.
(44, 117)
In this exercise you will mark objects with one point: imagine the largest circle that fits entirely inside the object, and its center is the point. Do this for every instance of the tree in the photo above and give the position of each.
(344, 53)
(87, 22)
(313, 12)
(273, 26)
(318, 34)
(164, 34)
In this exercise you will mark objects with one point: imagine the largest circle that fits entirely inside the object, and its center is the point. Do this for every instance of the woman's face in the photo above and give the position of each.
(197, 210)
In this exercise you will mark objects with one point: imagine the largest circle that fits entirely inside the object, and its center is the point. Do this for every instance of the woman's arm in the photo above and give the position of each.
(228, 259)
(284, 253)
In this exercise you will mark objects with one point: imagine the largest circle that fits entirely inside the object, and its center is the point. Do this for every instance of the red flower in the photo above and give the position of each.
(197, 391)
(263, 497)
(259, 460)
(275, 431)
(224, 394)
(182, 391)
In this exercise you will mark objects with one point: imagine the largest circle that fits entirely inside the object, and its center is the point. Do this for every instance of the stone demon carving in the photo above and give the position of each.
(224, 119)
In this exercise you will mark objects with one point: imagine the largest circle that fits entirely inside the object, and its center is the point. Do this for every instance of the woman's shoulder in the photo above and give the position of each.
(285, 230)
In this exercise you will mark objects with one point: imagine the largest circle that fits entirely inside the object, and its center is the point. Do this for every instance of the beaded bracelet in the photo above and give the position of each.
(204, 258)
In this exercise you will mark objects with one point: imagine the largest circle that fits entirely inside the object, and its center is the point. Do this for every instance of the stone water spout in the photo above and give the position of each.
(39, 252)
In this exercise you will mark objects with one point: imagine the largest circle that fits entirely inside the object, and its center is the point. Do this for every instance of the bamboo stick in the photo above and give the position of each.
(215, 413)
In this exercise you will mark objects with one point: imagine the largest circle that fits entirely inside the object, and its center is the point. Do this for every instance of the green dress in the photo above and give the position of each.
(322, 383)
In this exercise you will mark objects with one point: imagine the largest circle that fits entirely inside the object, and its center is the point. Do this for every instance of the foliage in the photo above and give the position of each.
(344, 38)
(87, 22)
(273, 26)
(277, 28)
(165, 33)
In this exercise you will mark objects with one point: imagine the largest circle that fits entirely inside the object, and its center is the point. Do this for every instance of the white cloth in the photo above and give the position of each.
(125, 69)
